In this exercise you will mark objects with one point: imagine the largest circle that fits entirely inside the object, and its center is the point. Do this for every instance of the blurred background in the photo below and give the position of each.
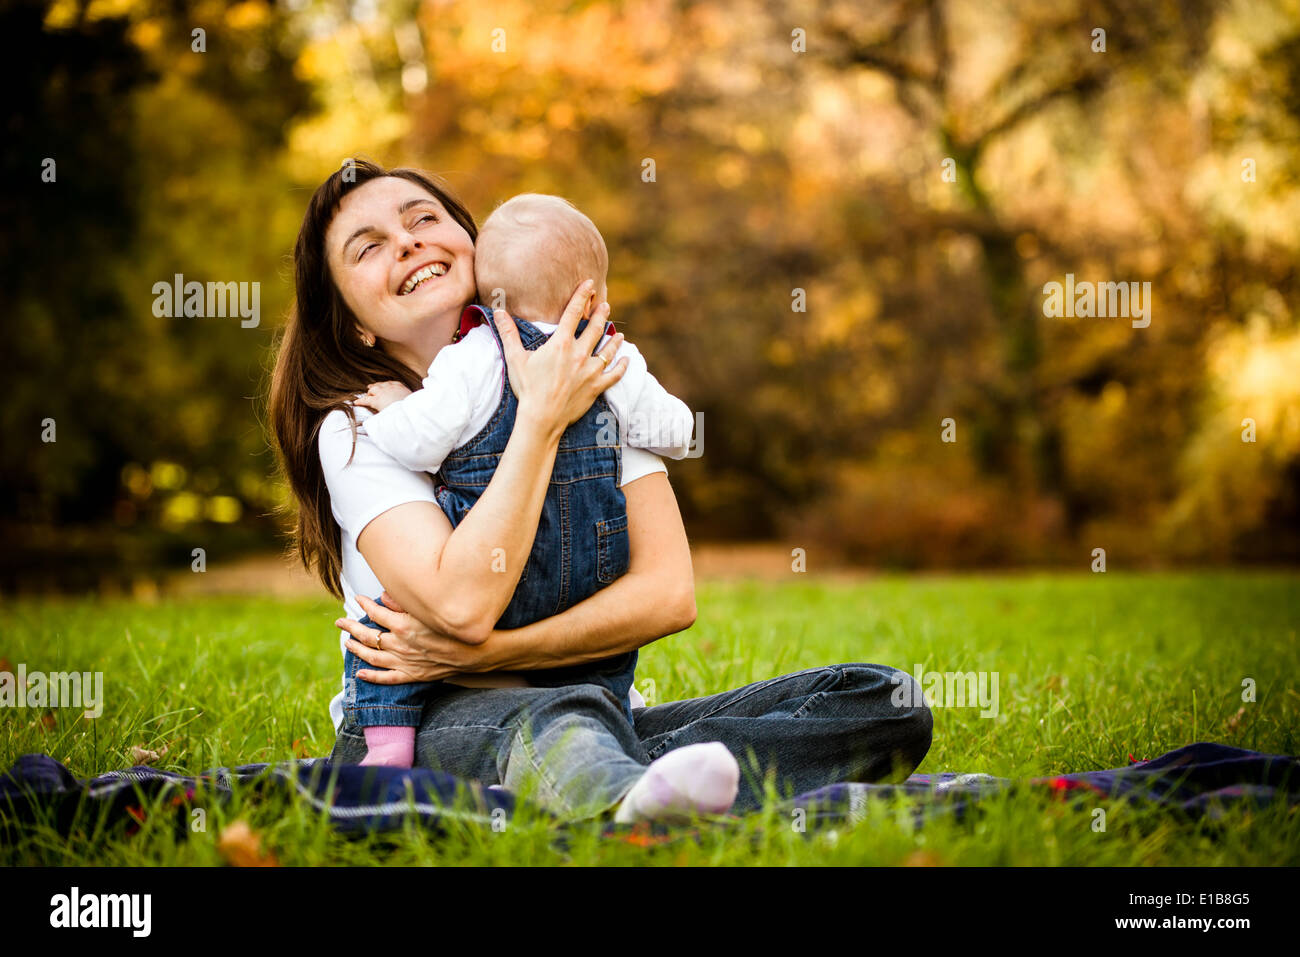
(842, 241)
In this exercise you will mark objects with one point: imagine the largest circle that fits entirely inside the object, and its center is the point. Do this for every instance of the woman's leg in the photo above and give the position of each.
(850, 722)
(574, 743)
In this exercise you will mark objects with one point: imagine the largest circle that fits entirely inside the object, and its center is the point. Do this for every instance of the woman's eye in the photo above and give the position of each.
(426, 216)
(365, 249)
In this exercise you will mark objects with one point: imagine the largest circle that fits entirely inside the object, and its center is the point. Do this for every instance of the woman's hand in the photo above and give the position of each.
(558, 382)
(409, 649)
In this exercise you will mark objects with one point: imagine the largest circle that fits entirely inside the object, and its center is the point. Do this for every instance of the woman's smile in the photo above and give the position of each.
(422, 276)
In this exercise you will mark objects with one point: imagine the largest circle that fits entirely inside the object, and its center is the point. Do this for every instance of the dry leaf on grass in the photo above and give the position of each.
(241, 846)
(145, 756)
(1234, 722)
(922, 858)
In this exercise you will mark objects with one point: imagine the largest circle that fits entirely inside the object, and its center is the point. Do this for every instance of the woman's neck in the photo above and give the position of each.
(419, 356)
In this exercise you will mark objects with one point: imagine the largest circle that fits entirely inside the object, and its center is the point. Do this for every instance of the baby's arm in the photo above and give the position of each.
(655, 419)
(419, 429)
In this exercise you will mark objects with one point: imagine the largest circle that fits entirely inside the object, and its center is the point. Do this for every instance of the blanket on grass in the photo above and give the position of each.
(1197, 780)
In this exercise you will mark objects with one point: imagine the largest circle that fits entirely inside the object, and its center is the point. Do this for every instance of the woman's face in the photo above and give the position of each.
(387, 234)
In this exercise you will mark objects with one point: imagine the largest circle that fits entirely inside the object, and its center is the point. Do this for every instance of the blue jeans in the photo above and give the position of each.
(574, 747)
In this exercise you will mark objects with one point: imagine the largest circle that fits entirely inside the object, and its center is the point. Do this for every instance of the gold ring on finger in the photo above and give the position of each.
(601, 356)
(379, 643)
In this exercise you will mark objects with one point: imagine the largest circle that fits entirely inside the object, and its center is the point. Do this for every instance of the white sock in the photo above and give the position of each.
(698, 778)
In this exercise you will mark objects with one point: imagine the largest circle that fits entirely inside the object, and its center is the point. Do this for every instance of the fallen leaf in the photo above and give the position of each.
(922, 859)
(48, 720)
(1234, 723)
(299, 748)
(241, 846)
(145, 756)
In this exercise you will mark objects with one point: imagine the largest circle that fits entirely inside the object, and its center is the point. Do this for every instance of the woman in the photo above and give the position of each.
(366, 525)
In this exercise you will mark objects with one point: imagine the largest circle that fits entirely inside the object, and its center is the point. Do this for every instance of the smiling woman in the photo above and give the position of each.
(374, 278)
(368, 524)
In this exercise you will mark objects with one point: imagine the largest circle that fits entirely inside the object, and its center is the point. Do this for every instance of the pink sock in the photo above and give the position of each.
(390, 747)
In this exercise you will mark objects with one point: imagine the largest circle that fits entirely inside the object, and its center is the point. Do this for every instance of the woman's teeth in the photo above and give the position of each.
(428, 272)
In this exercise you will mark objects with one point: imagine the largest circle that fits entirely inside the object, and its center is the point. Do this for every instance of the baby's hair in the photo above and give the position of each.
(538, 248)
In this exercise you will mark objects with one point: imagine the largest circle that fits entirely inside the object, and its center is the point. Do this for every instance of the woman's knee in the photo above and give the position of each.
(895, 696)
(914, 717)
(921, 734)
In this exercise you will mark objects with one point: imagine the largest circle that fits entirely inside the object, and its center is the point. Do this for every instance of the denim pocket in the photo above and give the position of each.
(611, 549)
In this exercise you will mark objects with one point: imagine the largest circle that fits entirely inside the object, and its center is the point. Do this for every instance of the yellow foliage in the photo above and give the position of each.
(223, 508)
(247, 15)
(61, 15)
(110, 9)
(1233, 466)
(167, 475)
(181, 509)
(146, 34)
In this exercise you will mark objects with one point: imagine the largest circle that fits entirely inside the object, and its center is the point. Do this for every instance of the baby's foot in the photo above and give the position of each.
(389, 747)
(699, 778)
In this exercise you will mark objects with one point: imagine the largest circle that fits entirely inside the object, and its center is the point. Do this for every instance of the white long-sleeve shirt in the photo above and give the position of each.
(463, 388)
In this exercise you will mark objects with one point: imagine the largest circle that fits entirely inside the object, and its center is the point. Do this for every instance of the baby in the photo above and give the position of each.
(535, 249)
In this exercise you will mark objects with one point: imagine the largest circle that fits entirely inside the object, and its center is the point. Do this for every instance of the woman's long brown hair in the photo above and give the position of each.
(321, 364)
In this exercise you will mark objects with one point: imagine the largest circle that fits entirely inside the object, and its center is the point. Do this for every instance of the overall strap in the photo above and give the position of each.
(476, 315)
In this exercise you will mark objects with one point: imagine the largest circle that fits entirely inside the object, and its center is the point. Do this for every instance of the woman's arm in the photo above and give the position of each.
(656, 597)
(446, 577)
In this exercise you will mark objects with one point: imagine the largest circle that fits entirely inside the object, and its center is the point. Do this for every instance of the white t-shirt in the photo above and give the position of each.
(463, 390)
(371, 484)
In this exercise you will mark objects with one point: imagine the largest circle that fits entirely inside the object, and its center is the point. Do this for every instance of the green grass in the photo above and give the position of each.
(1091, 668)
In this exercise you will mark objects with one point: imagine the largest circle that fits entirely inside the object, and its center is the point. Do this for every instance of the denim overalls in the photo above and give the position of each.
(580, 547)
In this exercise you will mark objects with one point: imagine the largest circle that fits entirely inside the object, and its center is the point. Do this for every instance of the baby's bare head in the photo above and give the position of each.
(535, 249)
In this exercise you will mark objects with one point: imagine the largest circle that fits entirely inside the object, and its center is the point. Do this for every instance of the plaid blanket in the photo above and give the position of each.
(1199, 779)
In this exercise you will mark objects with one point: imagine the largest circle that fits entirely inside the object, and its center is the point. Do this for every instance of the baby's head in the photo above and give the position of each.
(537, 249)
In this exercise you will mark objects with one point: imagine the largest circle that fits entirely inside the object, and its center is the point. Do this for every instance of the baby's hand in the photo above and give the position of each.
(381, 395)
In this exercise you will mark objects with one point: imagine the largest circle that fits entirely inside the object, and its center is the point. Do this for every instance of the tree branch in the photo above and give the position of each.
(1081, 86)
